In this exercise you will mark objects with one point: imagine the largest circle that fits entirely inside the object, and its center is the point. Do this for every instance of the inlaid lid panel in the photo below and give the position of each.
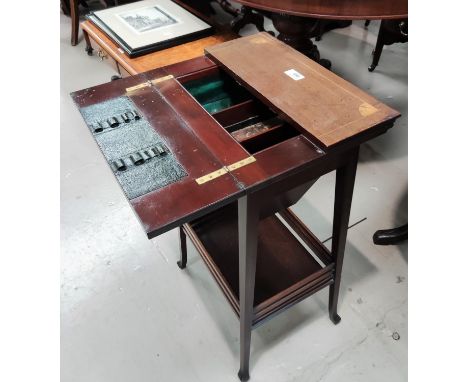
(322, 105)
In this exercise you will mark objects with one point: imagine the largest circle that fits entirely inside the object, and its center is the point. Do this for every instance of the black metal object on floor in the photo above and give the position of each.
(391, 236)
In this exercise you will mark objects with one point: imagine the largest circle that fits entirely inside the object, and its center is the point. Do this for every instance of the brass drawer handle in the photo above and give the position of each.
(101, 54)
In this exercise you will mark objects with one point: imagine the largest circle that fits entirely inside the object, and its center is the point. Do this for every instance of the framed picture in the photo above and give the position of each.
(150, 25)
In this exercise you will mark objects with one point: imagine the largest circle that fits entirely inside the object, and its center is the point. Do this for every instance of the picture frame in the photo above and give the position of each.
(150, 25)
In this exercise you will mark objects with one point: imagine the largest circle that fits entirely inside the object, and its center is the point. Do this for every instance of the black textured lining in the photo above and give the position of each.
(139, 158)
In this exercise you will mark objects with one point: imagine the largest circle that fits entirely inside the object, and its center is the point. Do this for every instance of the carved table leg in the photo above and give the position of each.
(297, 32)
(390, 32)
(74, 14)
(325, 25)
(320, 29)
(65, 6)
(343, 196)
(227, 7)
(247, 16)
(88, 48)
(183, 249)
(378, 49)
(248, 236)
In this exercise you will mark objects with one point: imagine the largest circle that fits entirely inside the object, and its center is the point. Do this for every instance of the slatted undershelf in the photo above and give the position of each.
(286, 271)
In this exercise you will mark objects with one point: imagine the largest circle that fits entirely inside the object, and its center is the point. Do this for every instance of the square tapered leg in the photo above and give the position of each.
(248, 238)
(343, 196)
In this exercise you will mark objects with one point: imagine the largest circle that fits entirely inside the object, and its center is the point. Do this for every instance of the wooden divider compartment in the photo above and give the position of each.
(214, 89)
(249, 121)
(286, 271)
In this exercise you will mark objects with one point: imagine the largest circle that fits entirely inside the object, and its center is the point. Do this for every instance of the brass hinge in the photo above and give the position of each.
(212, 175)
(224, 170)
(241, 163)
(148, 83)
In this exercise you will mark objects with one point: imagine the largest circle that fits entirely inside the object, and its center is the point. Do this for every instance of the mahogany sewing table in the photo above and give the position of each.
(244, 141)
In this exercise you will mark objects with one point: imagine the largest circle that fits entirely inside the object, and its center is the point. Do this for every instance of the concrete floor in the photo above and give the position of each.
(128, 313)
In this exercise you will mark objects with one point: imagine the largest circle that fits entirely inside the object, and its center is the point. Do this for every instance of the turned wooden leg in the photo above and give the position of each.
(75, 16)
(248, 236)
(183, 249)
(65, 7)
(390, 32)
(297, 32)
(343, 196)
(227, 7)
(324, 26)
(88, 47)
(247, 16)
(378, 48)
(320, 29)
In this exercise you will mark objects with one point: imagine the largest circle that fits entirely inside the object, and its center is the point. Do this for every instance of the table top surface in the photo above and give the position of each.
(157, 59)
(200, 145)
(335, 9)
(203, 147)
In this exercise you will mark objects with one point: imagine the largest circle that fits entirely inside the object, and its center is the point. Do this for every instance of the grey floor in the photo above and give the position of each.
(128, 313)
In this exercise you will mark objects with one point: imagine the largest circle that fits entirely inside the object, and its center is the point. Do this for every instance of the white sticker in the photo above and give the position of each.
(294, 74)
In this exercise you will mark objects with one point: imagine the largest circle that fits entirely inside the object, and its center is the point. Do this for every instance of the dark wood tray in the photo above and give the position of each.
(286, 271)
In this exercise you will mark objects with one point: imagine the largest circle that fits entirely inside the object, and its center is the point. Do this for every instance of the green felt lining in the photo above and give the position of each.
(216, 93)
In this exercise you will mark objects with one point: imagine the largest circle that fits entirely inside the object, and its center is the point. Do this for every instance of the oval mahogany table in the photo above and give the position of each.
(297, 20)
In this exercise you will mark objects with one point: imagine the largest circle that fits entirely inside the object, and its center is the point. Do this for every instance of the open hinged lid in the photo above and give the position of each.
(174, 162)
(153, 151)
(322, 105)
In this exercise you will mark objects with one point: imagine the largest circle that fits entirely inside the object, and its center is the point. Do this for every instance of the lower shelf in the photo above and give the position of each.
(286, 272)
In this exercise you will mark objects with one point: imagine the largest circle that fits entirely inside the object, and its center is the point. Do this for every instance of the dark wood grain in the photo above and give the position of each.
(75, 18)
(305, 234)
(297, 21)
(282, 260)
(260, 274)
(334, 9)
(285, 274)
(390, 32)
(344, 187)
(182, 199)
(182, 263)
(164, 208)
(248, 232)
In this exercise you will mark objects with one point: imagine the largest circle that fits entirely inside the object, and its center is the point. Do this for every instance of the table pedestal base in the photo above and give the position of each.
(247, 16)
(297, 32)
